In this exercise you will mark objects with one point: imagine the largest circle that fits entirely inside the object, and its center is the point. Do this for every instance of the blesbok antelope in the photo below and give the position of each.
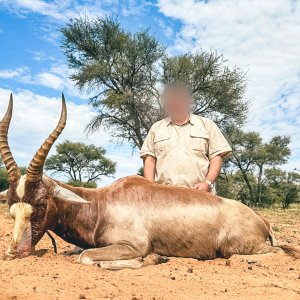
(122, 224)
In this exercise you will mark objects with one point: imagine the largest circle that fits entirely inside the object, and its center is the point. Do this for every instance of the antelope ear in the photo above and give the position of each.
(67, 195)
(3, 196)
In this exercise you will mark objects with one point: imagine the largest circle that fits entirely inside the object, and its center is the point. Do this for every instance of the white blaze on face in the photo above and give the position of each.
(21, 239)
(21, 187)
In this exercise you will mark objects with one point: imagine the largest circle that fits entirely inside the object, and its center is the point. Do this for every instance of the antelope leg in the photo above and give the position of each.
(75, 251)
(109, 253)
(53, 241)
(117, 257)
(136, 263)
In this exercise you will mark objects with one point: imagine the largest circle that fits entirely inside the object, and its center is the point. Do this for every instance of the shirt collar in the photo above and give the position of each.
(191, 120)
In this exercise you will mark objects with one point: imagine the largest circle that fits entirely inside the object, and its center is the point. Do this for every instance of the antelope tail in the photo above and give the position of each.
(291, 250)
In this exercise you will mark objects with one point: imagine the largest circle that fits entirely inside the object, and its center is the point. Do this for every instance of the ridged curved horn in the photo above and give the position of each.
(35, 169)
(12, 168)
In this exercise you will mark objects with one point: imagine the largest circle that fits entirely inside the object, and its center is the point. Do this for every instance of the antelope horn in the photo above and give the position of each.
(12, 168)
(35, 169)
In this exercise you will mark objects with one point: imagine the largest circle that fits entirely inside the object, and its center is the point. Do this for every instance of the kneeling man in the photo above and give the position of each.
(183, 149)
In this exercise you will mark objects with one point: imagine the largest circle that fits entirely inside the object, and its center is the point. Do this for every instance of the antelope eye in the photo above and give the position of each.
(36, 208)
(39, 206)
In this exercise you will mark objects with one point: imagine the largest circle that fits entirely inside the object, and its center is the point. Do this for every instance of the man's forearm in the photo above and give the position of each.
(149, 167)
(214, 168)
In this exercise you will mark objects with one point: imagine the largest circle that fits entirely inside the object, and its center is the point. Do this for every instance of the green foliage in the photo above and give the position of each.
(140, 171)
(4, 183)
(91, 184)
(121, 69)
(80, 162)
(124, 71)
(251, 173)
(284, 187)
(232, 185)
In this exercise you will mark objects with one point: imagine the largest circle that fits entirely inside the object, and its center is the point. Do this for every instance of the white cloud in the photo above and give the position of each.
(167, 30)
(261, 37)
(35, 116)
(132, 7)
(41, 56)
(59, 10)
(56, 77)
(9, 74)
(50, 80)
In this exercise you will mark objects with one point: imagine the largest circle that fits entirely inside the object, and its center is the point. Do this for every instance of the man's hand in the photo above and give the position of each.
(203, 186)
(213, 172)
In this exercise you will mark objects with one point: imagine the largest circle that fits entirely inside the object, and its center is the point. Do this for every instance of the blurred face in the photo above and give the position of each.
(177, 102)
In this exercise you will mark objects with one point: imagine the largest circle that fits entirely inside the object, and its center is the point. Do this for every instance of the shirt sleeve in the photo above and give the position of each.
(148, 145)
(218, 145)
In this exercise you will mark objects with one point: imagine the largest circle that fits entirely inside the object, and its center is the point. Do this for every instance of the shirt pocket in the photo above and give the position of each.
(199, 142)
(161, 144)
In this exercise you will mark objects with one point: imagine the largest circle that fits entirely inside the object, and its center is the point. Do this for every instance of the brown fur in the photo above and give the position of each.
(128, 220)
(169, 221)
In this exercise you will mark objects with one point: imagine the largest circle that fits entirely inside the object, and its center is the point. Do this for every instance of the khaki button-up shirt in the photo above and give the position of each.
(183, 152)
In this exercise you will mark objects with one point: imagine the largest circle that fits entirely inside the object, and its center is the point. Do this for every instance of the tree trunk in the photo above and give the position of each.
(259, 188)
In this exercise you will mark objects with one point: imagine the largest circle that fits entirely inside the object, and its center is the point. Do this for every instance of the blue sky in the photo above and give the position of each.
(31, 38)
(260, 37)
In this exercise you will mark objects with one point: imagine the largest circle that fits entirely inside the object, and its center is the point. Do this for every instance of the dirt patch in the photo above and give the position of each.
(50, 276)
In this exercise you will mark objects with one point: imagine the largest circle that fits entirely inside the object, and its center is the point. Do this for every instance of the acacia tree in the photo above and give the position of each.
(251, 157)
(4, 182)
(80, 163)
(244, 146)
(283, 186)
(272, 154)
(124, 72)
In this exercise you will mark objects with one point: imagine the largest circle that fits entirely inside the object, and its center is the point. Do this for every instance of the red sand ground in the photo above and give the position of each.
(49, 276)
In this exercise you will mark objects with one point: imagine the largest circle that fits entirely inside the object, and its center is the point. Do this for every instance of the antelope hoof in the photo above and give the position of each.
(8, 256)
(75, 251)
(155, 259)
(85, 259)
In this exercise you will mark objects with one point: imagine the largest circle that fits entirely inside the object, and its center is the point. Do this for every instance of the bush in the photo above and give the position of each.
(90, 184)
